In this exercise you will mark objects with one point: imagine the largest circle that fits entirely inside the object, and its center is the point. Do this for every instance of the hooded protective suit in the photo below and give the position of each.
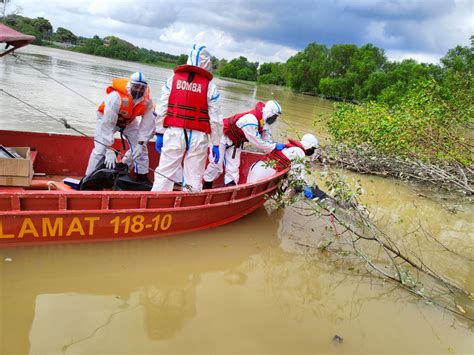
(126, 100)
(261, 169)
(187, 126)
(256, 131)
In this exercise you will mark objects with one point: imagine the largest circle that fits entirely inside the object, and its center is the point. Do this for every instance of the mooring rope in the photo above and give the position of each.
(18, 58)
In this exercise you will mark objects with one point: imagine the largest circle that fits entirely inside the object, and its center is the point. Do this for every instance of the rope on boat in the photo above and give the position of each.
(65, 123)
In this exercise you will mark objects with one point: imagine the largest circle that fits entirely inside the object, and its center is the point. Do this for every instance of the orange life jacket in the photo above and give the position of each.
(235, 134)
(187, 104)
(128, 112)
(281, 161)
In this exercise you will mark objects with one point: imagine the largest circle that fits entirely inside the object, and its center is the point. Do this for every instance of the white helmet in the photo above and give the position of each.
(137, 85)
(309, 141)
(271, 111)
(200, 57)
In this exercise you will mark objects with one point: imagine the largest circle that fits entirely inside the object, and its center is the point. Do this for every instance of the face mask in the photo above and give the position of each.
(309, 152)
(271, 120)
(137, 91)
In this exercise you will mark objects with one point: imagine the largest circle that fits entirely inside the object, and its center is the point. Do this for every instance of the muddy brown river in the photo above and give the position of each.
(248, 287)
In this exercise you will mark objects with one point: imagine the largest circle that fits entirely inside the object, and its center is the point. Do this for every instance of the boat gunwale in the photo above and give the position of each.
(127, 194)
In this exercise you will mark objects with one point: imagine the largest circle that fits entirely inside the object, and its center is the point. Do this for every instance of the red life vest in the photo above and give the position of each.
(235, 134)
(127, 112)
(281, 161)
(187, 104)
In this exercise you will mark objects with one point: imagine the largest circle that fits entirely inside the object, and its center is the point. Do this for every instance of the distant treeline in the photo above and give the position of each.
(341, 72)
(110, 47)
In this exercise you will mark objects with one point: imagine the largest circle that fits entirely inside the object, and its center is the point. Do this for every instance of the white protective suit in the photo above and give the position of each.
(136, 131)
(261, 170)
(174, 139)
(249, 125)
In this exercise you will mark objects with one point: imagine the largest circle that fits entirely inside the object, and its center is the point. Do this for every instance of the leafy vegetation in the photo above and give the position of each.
(429, 118)
(64, 35)
(273, 73)
(240, 68)
(114, 47)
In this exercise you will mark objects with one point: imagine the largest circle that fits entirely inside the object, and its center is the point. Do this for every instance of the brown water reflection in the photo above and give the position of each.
(248, 287)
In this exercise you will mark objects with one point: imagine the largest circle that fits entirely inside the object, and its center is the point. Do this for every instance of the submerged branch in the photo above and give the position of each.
(384, 255)
(364, 160)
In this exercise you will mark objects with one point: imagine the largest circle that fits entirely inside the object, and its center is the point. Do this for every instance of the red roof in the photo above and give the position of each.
(13, 38)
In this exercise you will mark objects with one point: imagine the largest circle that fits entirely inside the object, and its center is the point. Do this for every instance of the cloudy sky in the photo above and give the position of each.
(265, 30)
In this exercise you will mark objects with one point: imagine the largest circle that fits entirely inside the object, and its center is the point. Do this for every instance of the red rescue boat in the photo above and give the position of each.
(62, 215)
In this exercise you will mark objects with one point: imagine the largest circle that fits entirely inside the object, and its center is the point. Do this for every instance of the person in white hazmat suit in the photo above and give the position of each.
(126, 100)
(188, 117)
(293, 155)
(252, 126)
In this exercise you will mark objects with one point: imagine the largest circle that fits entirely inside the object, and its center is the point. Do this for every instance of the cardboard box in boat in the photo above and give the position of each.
(17, 172)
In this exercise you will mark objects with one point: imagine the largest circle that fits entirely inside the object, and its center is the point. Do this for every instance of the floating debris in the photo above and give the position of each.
(336, 339)
(8, 260)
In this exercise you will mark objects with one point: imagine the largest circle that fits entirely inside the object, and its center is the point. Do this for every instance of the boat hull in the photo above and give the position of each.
(31, 217)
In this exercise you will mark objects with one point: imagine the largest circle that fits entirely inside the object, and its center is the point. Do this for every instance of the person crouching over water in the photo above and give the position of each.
(188, 114)
(252, 126)
(126, 100)
(293, 155)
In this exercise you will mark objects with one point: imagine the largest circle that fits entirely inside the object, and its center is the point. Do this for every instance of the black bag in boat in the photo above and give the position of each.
(117, 179)
(127, 183)
(103, 178)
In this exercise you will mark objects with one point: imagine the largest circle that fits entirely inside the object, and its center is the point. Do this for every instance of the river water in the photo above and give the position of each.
(246, 287)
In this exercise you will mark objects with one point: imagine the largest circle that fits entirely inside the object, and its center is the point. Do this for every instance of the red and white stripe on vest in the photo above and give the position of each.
(127, 112)
(187, 104)
(235, 134)
(281, 161)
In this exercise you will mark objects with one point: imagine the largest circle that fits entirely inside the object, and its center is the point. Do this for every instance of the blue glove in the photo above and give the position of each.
(159, 142)
(308, 192)
(215, 153)
(279, 146)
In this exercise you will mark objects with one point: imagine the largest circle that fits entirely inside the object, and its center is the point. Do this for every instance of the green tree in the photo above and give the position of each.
(64, 35)
(43, 26)
(240, 68)
(273, 73)
(336, 84)
(182, 59)
(214, 63)
(391, 85)
(265, 68)
(460, 59)
(366, 60)
(340, 57)
(307, 68)
(222, 62)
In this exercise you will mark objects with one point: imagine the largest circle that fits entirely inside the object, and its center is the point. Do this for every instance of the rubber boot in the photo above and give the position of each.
(232, 183)
(207, 185)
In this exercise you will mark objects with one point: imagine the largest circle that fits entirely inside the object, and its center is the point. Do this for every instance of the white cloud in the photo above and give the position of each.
(376, 33)
(266, 30)
(421, 57)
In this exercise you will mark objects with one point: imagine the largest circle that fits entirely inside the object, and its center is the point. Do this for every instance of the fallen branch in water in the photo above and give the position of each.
(357, 236)
(448, 176)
